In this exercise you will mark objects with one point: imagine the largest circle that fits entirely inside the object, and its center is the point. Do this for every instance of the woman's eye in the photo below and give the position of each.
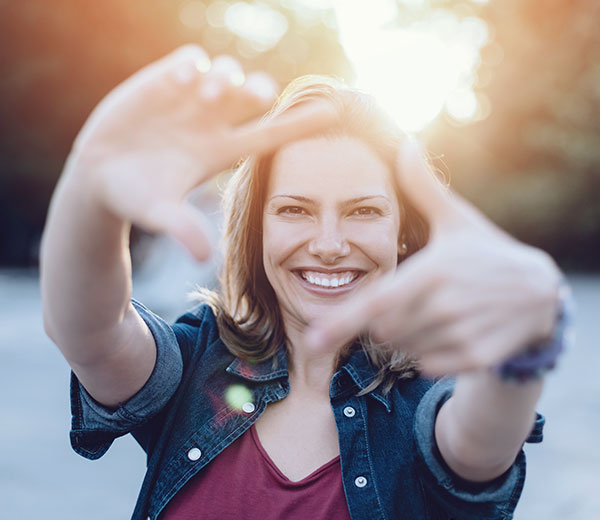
(366, 212)
(291, 210)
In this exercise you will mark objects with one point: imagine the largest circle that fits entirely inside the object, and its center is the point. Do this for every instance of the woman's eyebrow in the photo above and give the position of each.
(357, 200)
(348, 202)
(299, 198)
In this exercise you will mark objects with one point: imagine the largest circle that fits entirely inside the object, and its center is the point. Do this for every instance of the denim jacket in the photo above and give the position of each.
(191, 409)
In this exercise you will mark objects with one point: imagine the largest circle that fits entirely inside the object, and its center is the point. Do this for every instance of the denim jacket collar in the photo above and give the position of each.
(363, 373)
(268, 370)
(360, 369)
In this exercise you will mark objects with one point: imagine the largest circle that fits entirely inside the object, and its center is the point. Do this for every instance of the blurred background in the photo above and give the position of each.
(506, 94)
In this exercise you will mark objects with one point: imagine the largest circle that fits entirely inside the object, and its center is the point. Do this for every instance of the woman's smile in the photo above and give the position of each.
(328, 282)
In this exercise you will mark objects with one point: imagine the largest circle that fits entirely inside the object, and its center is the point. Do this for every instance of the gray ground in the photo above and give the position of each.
(40, 477)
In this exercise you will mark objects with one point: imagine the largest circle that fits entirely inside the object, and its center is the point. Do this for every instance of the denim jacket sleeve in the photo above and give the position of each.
(458, 498)
(94, 426)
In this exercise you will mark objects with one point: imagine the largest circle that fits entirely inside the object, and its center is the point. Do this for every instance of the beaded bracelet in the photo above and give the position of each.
(534, 362)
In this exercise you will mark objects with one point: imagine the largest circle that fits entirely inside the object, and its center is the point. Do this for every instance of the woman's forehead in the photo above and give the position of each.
(330, 162)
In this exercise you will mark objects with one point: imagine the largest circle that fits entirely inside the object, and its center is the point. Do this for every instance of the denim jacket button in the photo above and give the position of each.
(349, 411)
(194, 454)
(248, 407)
(360, 482)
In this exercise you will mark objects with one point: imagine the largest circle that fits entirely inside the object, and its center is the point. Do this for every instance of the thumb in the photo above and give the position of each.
(440, 207)
(185, 224)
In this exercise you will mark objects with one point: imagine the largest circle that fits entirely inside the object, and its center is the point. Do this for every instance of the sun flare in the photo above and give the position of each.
(417, 69)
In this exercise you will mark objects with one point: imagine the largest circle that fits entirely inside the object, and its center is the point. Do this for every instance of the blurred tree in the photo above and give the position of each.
(532, 161)
(534, 164)
(58, 59)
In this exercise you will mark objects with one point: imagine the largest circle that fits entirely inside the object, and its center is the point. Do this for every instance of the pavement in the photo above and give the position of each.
(41, 478)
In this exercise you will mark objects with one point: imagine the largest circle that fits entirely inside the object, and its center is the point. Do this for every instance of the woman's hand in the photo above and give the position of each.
(471, 298)
(170, 127)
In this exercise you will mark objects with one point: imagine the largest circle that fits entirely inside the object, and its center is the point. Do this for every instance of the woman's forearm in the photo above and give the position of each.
(481, 428)
(85, 267)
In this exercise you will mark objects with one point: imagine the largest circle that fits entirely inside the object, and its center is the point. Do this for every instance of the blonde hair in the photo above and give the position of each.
(246, 307)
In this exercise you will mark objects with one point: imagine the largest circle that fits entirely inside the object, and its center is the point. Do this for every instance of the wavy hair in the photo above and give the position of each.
(246, 308)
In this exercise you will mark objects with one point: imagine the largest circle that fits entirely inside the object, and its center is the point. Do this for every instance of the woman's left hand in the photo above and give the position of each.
(471, 298)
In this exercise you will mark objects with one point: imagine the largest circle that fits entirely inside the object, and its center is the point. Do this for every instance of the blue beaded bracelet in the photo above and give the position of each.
(534, 362)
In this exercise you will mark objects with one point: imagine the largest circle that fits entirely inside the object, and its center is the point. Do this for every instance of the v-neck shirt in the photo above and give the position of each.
(243, 482)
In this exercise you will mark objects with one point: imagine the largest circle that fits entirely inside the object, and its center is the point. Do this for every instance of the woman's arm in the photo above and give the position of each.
(482, 427)
(86, 288)
(472, 298)
(168, 128)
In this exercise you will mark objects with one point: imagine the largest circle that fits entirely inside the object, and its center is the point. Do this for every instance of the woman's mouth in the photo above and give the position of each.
(332, 282)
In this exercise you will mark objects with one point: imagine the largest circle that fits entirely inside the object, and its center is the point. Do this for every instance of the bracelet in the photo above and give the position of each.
(537, 360)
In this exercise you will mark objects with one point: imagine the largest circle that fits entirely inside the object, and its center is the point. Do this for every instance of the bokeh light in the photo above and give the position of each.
(192, 14)
(257, 23)
(237, 395)
(415, 69)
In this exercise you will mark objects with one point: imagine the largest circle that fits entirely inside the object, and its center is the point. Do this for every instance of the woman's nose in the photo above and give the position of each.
(329, 243)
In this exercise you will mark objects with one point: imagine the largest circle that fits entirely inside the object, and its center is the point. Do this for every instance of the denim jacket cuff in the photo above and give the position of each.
(496, 499)
(95, 426)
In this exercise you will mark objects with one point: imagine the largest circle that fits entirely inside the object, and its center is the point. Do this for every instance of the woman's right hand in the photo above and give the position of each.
(171, 126)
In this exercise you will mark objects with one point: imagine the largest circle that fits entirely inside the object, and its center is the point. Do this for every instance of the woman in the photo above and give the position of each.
(295, 393)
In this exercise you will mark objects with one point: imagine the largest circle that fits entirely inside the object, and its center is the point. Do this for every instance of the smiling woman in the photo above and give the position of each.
(293, 392)
(332, 200)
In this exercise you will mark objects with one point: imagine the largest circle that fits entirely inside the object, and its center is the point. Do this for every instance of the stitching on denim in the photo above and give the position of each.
(272, 375)
(371, 469)
(517, 490)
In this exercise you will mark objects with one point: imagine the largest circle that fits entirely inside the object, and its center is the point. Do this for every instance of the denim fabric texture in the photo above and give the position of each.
(391, 467)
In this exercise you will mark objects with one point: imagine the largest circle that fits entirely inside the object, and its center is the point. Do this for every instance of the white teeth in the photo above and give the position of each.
(333, 280)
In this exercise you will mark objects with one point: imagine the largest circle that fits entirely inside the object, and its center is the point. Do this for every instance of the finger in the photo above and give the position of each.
(442, 363)
(262, 86)
(483, 346)
(338, 328)
(166, 75)
(189, 71)
(185, 224)
(182, 67)
(382, 302)
(265, 136)
(438, 205)
(225, 74)
(252, 99)
(441, 317)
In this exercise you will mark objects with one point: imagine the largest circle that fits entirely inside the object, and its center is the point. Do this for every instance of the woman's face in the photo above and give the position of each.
(330, 225)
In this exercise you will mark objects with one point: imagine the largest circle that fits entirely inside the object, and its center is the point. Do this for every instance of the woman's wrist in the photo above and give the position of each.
(540, 358)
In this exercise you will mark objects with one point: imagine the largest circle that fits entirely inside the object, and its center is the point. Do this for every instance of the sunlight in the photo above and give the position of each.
(417, 70)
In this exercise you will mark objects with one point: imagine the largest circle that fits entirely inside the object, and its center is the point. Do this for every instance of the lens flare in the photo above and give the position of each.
(416, 69)
(236, 396)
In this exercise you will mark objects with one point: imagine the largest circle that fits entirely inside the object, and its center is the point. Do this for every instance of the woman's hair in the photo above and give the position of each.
(246, 308)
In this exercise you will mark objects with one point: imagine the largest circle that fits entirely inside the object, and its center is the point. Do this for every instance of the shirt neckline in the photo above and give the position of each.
(285, 480)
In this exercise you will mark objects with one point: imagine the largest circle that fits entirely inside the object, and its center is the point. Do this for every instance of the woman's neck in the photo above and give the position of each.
(310, 370)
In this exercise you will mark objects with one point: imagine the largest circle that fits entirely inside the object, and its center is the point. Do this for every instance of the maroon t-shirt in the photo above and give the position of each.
(243, 483)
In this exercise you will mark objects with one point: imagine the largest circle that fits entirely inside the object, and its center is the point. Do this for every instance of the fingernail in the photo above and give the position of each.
(203, 64)
(237, 78)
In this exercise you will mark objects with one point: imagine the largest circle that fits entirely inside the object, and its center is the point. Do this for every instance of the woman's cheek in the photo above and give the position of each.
(379, 240)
